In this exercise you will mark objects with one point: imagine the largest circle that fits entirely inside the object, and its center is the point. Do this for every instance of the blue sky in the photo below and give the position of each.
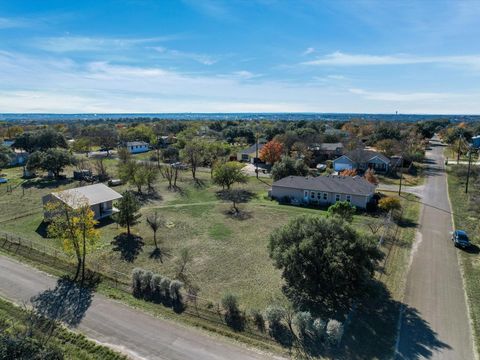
(240, 56)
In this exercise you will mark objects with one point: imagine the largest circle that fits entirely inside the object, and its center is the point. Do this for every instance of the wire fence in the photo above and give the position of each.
(194, 305)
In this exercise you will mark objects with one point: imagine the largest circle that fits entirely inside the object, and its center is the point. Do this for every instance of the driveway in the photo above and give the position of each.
(118, 326)
(434, 323)
(415, 190)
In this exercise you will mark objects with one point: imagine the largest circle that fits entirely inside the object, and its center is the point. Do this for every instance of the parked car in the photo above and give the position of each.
(3, 181)
(460, 239)
(114, 182)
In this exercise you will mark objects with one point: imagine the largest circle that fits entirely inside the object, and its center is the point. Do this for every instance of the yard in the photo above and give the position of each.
(228, 254)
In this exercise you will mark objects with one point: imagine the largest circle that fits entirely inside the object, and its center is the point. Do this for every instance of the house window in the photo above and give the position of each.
(305, 194)
(325, 196)
(319, 196)
(349, 198)
(312, 195)
(337, 197)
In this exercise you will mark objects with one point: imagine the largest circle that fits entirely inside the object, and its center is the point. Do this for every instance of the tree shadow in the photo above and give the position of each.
(236, 197)
(46, 183)
(67, 302)
(373, 330)
(160, 253)
(149, 196)
(281, 334)
(128, 246)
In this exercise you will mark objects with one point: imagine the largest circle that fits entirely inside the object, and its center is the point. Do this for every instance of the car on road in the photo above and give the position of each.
(460, 239)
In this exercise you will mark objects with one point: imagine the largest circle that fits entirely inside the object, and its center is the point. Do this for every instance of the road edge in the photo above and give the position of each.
(462, 274)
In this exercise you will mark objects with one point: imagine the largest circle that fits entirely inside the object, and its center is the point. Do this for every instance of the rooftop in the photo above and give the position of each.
(330, 183)
(362, 155)
(92, 194)
(252, 149)
(137, 143)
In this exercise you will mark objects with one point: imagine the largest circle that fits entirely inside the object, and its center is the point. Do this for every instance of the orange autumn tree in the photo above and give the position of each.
(348, 172)
(370, 177)
(271, 152)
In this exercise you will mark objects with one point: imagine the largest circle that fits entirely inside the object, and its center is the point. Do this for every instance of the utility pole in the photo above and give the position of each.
(401, 176)
(468, 171)
(256, 154)
(458, 150)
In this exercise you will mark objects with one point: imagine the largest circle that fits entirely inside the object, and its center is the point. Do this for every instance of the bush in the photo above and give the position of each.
(334, 331)
(165, 287)
(319, 327)
(175, 287)
(230, 303)
(342, 209)
(137, 277)
(233, 317)
(274, 315)
(258, 319)
(389, 203)
(146, 282)
(303, 321)
(155, 286)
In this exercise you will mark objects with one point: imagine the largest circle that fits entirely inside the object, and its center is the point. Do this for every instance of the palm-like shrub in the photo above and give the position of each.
(303, 321)
(334, 331)
(175, 287)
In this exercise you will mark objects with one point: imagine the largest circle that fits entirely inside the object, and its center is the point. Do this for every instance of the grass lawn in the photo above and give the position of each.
(228, 254)
(408, 179)
(72, 345)
(466, 218)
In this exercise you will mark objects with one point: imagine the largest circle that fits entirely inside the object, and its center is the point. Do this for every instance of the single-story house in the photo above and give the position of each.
(324, 190)
(250, 154)
(135, 147)
(476, 141)
(98, 196)
(326, 151)
(362, 159)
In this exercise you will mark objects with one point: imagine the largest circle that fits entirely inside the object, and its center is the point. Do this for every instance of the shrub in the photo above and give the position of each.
(274, 315)
(334, 331)
(342, 209)
(303, 321)
(155, 286)
(233, 317)
(146, 282)
(258, 319)
(137, 276)
(165, 287)
(175, 287)
(389, 203)
(319, 327)
(230, 303)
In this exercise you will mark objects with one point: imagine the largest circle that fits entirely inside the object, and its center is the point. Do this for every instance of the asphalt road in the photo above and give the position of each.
(435, 324)
(127, 330)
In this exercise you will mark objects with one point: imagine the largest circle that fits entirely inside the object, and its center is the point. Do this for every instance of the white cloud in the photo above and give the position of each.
(177, 54)
(308, 51)
(64, 44)
(406, 97)
(7, 23)
(343, 59)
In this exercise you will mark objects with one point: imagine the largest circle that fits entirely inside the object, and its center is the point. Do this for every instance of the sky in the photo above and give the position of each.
(344, 56)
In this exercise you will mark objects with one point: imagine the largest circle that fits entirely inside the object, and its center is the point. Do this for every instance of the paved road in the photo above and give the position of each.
(415, 190)
(132, 332)
(435, 323)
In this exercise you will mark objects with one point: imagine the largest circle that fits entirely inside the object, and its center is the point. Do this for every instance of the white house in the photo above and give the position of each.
(324, 190)
(135, 147)
(361, 159)
(98, 196)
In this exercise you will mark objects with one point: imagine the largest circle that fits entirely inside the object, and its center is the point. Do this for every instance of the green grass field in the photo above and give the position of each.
(229, 255)
(468, 219)
(13, 320)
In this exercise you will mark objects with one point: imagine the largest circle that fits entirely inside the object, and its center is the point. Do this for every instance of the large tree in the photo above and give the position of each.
(287, 167)
(271, 152)
(323, 260)
(229, 173)
(128, 207)
(72, 221)
(193, 155)
(52, 160)
(5, 156)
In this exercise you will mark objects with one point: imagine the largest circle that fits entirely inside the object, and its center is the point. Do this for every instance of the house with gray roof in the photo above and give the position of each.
(324, 190)
(135, 147)
(250, 154)
(363, 160)
(98, 196)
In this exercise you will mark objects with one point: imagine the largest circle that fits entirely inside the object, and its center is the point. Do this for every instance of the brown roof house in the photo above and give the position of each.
(98, 196)
(324, 190)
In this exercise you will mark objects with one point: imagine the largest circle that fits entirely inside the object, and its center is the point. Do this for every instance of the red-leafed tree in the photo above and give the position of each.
(370, 177)
(271, 152)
